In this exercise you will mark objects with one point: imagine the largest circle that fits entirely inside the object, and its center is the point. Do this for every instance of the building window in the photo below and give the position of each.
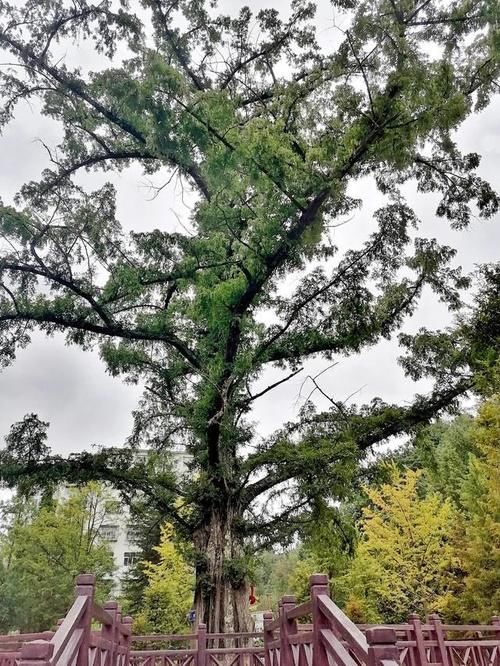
(132, 535)
(109, 532)
(129, 559)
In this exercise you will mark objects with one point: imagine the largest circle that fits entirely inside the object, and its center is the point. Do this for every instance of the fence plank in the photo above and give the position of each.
(344, 628)
(201, 657)
(68, 625)
(336, 649)
(300, 610)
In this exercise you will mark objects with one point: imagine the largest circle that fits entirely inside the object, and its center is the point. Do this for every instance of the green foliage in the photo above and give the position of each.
(42, 551)
(479, 536)
(27, 441)
(443, 451)
(271, 576)
(269, 132)
(328, 546)
(405, 559)
(168, 594)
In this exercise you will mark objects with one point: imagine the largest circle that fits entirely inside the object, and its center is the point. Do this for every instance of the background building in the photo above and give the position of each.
(117, 529)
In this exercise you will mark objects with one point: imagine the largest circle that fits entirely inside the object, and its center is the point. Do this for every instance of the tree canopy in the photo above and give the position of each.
(426, 531)
(406, 560)
(269, 130)
(42, 550)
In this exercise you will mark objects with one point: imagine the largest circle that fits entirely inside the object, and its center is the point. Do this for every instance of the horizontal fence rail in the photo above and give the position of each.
(236, 649)
(313, 633)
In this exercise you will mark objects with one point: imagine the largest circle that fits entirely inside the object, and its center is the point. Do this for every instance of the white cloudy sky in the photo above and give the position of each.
(85, 406)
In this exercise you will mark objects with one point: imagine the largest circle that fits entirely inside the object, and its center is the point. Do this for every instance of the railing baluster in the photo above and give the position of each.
(287, 627)
(318, 585)
(127, 625)
(118, 637)
(108, 631)
(420, 653)
(411, 654)
(201, 653)
(85, 587)
(495, 621)
(438, 635)
(268, 639)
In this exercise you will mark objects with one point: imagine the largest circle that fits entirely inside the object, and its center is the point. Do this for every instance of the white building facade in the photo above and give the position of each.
(118, 531)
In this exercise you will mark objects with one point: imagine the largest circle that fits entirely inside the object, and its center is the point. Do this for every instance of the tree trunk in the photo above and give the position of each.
(221, 594)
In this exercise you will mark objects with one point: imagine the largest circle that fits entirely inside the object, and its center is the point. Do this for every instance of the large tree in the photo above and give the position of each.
(269, 131)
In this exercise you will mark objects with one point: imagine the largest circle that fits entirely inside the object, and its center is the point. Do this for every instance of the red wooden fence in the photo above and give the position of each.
(87, 636)
(314, 633)
(239, 649)
(330, 640)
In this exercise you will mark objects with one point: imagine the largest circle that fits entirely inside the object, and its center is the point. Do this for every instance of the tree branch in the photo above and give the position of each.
(110, 466)
(78, 88)
(112, 330)
(255, 396)
(366, 430)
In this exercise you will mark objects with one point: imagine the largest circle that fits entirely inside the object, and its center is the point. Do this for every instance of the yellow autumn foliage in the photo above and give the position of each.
(169, 593)
(406, 558)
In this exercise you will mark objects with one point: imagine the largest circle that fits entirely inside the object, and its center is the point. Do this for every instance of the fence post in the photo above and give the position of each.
(108, 630)
(435, 622)
(118, 637)
(201, 653)
(85, 587)
(268, 638)
(127, 623)
(287, 627)
(36, 653)
(420, 653)
(411, 657)
(495, 621)
(318, 585)
(381, 646)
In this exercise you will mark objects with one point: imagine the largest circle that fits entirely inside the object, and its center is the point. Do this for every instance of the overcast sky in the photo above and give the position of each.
(85, 406)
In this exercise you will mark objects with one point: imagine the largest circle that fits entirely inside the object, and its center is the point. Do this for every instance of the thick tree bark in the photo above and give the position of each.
(221, 594)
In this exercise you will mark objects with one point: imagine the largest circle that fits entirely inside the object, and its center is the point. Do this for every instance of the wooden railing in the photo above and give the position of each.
(433, 643)
(328, 638)
(318, 633)
(87, 636)
(313, 633)
(199, 649)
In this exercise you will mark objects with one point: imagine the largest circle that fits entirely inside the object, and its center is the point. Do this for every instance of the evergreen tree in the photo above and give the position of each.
(478, 542)
(168, 594)
(269, 133)
(405, 561)
(442, 451)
